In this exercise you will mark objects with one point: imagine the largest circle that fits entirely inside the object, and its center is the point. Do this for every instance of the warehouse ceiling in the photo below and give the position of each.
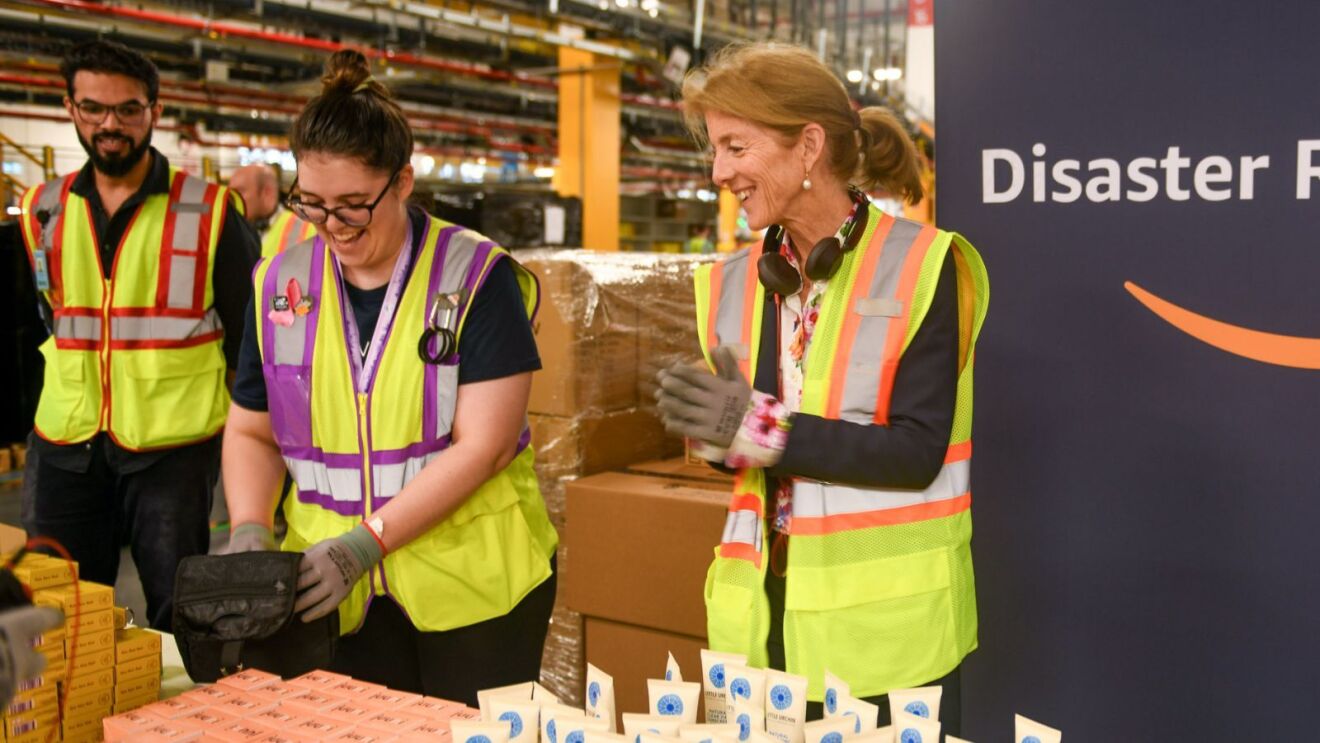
(474, 78)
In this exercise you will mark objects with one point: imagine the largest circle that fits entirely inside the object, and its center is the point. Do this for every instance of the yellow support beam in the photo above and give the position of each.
(589, 143)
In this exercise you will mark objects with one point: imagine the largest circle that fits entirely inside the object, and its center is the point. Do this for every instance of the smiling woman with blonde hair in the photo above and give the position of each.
(852, 440)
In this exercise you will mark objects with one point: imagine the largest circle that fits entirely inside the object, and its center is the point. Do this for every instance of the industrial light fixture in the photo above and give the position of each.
(854, 76)
(544, 172)
(887, 73)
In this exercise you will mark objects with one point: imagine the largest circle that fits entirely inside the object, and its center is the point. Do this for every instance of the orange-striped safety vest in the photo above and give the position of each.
(879, 585)
(138, 354)
(285, 231)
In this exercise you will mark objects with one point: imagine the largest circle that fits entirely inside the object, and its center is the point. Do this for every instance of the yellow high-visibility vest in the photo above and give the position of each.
(879, 586)
(354, 432)
(138, 354)
(285, 231)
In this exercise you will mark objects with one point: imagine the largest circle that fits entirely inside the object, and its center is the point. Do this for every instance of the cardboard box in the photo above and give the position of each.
(94, 703)
(681, 469)
(96, 621)
(586, 334)
(641, 546)
(87, 663)
(587, 444)
(86, 598)
(91, 680)
(135, 688)
(138, 667)
(37, 571)
(90, 642)
(136, 642)
(634, 654)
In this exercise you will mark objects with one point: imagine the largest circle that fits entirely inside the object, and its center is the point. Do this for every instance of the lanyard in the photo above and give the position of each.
(364, 364)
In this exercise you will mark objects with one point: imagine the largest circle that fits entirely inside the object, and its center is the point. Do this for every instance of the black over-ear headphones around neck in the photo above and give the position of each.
(779, 276)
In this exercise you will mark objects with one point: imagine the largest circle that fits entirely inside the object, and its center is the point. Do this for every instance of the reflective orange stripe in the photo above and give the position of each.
(745, 502)
(284, 233)
(819, 526)
(898, 325)
(958, 452)
(741, 551)
(852, 319)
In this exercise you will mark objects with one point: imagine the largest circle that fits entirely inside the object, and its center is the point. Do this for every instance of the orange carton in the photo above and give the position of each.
(89, 641)
(209, 696)
(87, 598)
(354, 689)
(358, 735)
(128, 705)
(206, 718)
(167, 731)
(137, 667)
(41, 572)
(134, 643)
(247, 680)
(430, 731)
(137, 687)
(318, 728)
(277, 718)
(467, 713)
(175, 707)
(320, 680)
(88, 704)
(440, 709)
(391, 722)
(99, 660)
(392, 699)
(239, 731)
(280, 691)
(285, 736)
(349, 712)
(124, 726)
(89, 680)
(245, 705)
(312, 702)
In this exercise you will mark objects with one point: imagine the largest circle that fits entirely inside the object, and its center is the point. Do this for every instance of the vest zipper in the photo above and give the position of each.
(364, 436)
(104, 424)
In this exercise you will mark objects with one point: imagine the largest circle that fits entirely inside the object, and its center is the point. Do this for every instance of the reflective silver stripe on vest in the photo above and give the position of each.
(49, 202)
(388, 479)
(732, 306)
(162, 328)
(458, 261)
(744, 527)
(295, 263)
(78, 328)
(341, 483)
(189, 211)
(862, 382)
(815, 499)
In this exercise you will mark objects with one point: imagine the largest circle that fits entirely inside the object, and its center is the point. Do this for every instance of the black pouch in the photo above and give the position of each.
(236, 611)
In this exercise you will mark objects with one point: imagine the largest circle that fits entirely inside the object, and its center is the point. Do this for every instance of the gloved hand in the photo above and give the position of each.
(250, 537)
(329, 569)
(700, 405)
(19, 661)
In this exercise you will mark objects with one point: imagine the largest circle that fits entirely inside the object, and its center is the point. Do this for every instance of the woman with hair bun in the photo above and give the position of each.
(386, 365)
(851, 443)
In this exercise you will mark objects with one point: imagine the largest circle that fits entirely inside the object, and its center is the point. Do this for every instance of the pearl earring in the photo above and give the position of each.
(806, 184)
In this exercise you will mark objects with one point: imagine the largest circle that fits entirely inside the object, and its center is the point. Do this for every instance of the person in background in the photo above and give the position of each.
(143, 273)
(852, 442)
(700, 241)
(387, 363)
(280, 228)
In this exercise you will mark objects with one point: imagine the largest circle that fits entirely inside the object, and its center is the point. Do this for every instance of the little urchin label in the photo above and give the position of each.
(550, 731)
(477, 739)
(1031, 739)
(919, 709)
(593, 693)
(744, 726)
(669, 704)
(857, 720)
(741, 688)
(717, 675)
(515, 723)
(910, 735)
(574, 737)
(781, 697)
(831, 700)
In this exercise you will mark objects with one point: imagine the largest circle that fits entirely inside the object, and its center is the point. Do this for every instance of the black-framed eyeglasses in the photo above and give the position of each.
(95, 112)
(351, 215)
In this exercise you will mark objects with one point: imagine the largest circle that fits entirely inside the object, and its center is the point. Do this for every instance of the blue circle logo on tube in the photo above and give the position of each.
(1031, 739)
(550, 730)
(515, 723)
(857, 720)
(741, 688)
(920, 709)
(910, 735)
(744, 726)
(669, 704)
(831, 700)
(831, 738)
(717, 675)
(477, 739)
(781, 697)
(574, 737)
(593, 693)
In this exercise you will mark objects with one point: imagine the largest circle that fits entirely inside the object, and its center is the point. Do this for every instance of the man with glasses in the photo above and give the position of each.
(143, 273)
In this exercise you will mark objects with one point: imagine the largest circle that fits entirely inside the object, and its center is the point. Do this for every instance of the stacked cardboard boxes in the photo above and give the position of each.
(607, 321)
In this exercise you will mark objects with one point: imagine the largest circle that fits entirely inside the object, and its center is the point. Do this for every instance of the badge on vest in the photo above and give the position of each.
(40, 271)
(284, 308)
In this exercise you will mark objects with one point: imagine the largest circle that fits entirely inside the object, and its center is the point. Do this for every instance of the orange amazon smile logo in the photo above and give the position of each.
(1269, 348)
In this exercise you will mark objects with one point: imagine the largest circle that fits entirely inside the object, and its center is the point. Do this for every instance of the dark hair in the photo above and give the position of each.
(111, 57)
(785, 87)
(353, 116)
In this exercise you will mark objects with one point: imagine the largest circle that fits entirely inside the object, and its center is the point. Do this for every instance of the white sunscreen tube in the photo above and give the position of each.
(713, 679)
(574, 729)
(673, 698)
(864, 715)
(550, 716)
(879, 735)
(708, 732)
(636, 725)
(829, 730)
(600, 736)
(909, 728)
(522, 716)
(1026, 730)
(922, 702)
(518, 691)
(785, 705)
(600, 695)
(748, 716)
(835, 690)
(543, 695)
(475, 731)
(672, 672)
(747, 684)
(653, 738)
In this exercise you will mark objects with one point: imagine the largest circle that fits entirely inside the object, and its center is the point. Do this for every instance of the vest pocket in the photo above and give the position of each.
(881, 624)
(288, 398)
(731, 618)
(167, 397)
(70, 395)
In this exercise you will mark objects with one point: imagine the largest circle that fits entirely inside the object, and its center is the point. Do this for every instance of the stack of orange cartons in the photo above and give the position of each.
(89, 649)
(34, 710)
(257, 707)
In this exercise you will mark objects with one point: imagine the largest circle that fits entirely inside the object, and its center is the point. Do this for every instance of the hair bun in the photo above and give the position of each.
(345, 71)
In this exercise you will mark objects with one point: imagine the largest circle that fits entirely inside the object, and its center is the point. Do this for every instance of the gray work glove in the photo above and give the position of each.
(329, 569)
(704, 406)
(250, 537)
(19, 661)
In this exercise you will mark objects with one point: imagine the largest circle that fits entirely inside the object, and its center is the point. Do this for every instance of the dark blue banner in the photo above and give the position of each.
(1143, 179)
